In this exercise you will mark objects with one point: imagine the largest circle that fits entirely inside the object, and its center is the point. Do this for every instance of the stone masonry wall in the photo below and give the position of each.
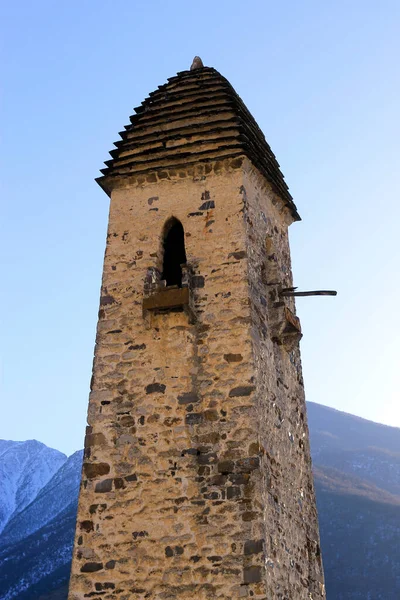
(292, 551)
(196, 480)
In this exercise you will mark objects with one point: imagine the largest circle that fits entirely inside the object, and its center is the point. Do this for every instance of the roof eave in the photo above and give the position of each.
(103, 183)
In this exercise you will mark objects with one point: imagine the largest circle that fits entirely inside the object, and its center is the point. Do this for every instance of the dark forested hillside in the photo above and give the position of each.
(357, 480)
(360, 535)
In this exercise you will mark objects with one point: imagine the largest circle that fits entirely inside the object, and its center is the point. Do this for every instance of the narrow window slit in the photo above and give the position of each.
(174, 253)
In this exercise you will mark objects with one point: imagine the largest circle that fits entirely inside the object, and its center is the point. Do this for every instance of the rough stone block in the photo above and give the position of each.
(252, 574)
(253, 546)
(104, 486)
(153, 388)
(241, 390)
(93, 470)
(91, 567)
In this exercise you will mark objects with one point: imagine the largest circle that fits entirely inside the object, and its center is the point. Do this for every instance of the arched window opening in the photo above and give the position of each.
(174, 253)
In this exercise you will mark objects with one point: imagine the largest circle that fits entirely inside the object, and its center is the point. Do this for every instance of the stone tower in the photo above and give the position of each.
(197, 480)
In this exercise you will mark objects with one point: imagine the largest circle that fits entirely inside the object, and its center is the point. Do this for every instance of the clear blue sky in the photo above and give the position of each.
(322, 80)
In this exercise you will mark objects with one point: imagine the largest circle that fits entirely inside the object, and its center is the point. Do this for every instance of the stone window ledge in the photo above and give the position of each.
(167, 298)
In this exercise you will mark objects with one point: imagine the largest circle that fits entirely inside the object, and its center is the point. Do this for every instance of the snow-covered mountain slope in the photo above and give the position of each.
(25, 468)
(51, 500)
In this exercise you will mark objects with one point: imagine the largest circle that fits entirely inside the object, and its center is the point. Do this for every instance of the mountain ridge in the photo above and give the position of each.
(25, 467)
(50, 501)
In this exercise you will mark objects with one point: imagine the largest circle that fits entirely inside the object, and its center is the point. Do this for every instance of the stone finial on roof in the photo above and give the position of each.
(197, 63)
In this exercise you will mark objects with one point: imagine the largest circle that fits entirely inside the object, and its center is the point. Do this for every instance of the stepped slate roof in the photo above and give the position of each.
(195, 117)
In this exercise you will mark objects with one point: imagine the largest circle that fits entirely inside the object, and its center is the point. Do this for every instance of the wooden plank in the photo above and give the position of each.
(313, 293)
